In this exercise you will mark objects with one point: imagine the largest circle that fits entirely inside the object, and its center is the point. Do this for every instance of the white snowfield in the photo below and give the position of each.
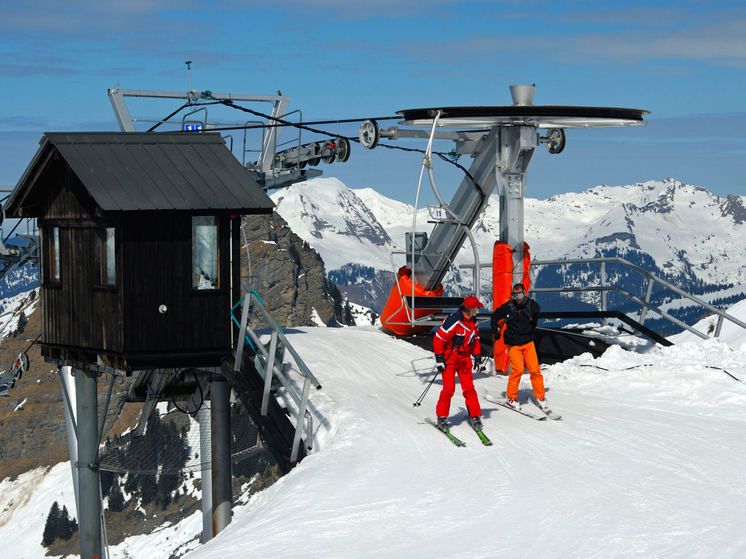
(648, 461)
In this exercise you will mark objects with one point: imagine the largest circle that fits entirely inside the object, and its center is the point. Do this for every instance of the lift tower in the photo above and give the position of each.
(501, 140)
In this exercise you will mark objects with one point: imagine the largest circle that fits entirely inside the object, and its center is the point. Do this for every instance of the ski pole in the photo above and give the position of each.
(429, 384)
(484, 362)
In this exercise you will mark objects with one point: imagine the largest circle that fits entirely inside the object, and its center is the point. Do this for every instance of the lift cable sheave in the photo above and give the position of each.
(501, 140)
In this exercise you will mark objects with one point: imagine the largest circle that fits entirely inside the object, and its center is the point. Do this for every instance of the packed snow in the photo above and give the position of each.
(646, 462)
(731, 333)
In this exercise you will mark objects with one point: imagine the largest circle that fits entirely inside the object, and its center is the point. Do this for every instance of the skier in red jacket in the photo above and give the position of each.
(455, 342)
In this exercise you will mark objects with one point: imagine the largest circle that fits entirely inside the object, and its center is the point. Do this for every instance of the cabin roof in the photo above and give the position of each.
(134, 171)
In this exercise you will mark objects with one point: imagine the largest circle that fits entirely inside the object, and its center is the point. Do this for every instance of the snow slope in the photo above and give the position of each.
(24, 507)
(647, 462)
(731, 333)
(350, 231)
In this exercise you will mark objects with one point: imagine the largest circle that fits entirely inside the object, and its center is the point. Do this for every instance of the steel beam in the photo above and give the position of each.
(516, 148)
(203, 417)
(467, 204)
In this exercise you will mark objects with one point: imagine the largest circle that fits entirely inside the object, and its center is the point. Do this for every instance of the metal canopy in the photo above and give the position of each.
(542, 116)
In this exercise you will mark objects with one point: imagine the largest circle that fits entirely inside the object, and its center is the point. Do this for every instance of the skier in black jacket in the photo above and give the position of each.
(520, 315)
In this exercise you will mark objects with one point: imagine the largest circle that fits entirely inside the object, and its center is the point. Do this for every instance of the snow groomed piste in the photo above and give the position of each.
(645, 463)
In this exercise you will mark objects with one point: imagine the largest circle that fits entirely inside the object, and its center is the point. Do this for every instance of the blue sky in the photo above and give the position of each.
(684, 61)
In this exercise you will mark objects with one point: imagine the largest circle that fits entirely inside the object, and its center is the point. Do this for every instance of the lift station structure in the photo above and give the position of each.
(139, 254)
(501, 140)
(120, 301)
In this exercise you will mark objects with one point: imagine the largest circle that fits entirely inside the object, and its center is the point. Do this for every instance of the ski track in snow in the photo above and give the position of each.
(646, 462)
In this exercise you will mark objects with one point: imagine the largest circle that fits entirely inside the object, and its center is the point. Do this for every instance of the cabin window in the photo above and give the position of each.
(205, 256)
(107, 242)
(54, 254)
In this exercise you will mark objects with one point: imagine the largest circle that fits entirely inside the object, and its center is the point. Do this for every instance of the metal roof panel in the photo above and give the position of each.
(130, 171)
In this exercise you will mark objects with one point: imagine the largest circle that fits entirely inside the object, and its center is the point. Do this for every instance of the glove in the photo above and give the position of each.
(496, 335)
(478, 360)
(440, 362)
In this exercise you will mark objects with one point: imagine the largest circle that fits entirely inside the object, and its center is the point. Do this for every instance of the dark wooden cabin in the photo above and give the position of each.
(139, 245)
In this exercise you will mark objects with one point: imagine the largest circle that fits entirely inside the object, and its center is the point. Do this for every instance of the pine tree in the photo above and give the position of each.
(64, 525)
(148, 488)
(50, 527)
(132, 484)
(107, 482)
(22, 321)
(349, 319)
(166, 485)
(116, 499)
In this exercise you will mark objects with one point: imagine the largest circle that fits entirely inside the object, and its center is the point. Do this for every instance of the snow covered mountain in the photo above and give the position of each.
(680, 232)
(336, 222)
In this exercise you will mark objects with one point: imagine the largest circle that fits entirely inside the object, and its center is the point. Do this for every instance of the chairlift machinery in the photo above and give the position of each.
(272, 169)
(501, 140)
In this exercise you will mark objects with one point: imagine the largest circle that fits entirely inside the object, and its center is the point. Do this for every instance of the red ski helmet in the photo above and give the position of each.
(472, 302)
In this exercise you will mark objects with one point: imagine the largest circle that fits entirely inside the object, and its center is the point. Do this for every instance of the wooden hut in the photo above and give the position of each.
(139, 245)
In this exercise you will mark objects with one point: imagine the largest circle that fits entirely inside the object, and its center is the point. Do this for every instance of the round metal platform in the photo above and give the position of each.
(540, 116)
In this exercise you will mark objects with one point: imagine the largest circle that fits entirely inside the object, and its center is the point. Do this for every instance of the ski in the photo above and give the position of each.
(504, 404)
(549, 413)
(483, 437)
(446, 432)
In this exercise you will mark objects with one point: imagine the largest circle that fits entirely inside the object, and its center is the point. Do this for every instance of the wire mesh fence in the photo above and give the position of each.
(173, 443)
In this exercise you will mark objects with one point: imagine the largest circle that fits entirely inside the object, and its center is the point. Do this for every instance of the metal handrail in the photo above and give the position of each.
(270, 368)
(644, 303)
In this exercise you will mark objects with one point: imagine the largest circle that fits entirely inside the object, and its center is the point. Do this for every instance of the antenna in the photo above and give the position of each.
(189, 69)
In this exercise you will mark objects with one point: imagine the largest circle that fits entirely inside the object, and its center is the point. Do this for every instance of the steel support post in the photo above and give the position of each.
(67, 382)
(242, 331)
(222, 491)
(89, 499)
(203, 417)
(644, 310)
(515, 149)
(604, 320)
(267, 157)
(269, 371)
(467, 205)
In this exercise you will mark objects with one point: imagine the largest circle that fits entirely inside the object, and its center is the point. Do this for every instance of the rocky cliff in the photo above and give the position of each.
(288, 274)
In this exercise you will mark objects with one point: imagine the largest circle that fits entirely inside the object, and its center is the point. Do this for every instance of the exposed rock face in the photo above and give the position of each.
(288, 275)
(733, 206)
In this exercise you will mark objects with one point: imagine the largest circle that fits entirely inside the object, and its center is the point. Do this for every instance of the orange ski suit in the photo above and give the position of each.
(518, 354)
(520, 319)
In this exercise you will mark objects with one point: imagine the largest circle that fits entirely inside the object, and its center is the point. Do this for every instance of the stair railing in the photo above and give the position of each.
(269, 366)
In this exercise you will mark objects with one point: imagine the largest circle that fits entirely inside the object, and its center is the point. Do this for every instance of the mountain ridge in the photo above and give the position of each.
(692, 237)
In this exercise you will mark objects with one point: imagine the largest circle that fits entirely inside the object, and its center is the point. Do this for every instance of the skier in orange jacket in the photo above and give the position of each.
(520, 317)
(454, 343)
